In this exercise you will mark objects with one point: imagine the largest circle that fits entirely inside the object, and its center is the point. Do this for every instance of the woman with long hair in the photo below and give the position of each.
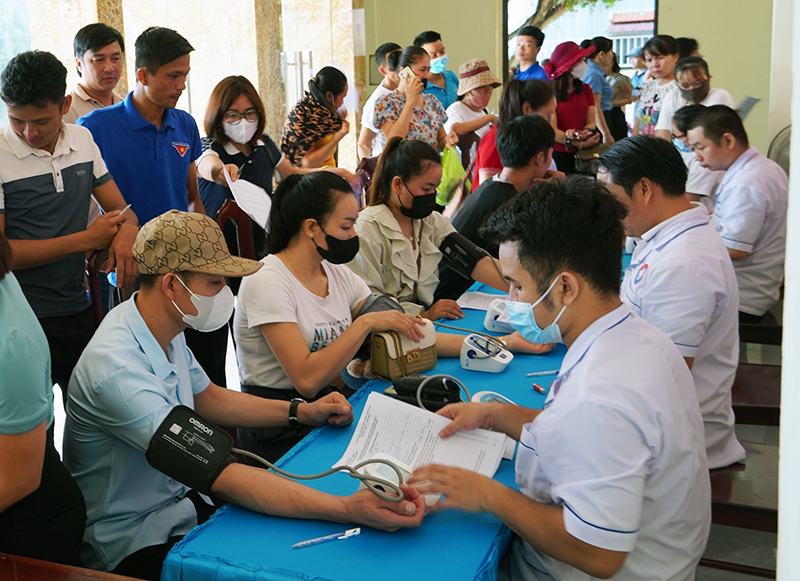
(407, 112)
(575, 118)
(294, 324)
(401, 234)
(661, 56)
(314, 126)
(518, 98)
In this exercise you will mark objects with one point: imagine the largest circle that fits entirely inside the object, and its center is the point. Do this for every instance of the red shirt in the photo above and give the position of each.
(572, 112)
(487, 157)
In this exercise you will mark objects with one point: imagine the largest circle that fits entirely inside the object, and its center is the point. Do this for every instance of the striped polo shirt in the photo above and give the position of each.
(44, 196)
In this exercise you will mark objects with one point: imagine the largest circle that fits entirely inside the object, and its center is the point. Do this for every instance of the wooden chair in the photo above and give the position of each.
(756, 394)
(230, 211)
(26, 569)
(746, 496)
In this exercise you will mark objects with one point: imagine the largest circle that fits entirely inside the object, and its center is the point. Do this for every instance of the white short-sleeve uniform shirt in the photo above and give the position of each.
(681, 280)
(750, 215)
(619, 446)
(274, 295)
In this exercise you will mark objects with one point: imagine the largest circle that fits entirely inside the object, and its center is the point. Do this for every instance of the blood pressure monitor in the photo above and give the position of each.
(480, 354)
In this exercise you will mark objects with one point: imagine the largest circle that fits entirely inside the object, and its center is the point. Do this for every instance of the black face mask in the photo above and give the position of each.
(421, 206)
(697, 94)
(339, 251)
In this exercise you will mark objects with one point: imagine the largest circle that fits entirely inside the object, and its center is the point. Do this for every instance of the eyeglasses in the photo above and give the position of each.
(679, 137)
(233, 117)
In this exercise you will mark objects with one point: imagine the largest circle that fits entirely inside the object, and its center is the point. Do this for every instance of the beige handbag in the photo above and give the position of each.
(395, 355)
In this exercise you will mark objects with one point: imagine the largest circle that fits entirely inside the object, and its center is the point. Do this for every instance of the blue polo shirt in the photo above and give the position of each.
(595, 77)
(150, 166)
(533, 73)
(123, 387)
(449, 94)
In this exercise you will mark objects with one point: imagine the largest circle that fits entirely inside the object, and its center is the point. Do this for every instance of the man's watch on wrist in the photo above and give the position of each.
(293, 405)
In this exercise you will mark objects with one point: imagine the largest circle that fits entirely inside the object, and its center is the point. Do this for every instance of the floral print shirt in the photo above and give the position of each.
(650, 102)
(425, 122)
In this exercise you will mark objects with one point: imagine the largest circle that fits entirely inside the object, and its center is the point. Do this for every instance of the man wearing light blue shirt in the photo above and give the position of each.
(137, 369)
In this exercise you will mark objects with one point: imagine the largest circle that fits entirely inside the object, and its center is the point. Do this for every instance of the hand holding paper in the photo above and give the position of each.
(254, 200)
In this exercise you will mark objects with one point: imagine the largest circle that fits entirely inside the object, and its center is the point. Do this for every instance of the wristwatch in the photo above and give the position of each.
(567, 142)
(293, 421)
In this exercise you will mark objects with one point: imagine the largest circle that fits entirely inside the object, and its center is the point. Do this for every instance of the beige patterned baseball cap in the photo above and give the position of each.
(185, 241)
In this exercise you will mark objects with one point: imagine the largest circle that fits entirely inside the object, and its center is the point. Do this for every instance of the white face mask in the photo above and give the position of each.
(212, 312)
(580, 70)
(242, 132)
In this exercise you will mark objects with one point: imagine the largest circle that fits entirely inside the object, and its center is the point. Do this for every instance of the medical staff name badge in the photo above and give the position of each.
(640, 273)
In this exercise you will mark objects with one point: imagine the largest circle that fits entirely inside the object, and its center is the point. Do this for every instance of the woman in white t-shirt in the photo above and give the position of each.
(661, 55)
(294, 323)
(475, 85)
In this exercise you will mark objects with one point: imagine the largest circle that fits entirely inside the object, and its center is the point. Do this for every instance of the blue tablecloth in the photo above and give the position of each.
(237, 544)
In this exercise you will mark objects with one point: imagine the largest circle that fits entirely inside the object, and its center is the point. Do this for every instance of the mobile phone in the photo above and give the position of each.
(405, 73)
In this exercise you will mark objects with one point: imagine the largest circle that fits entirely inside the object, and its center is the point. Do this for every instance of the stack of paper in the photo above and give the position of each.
(411, 435)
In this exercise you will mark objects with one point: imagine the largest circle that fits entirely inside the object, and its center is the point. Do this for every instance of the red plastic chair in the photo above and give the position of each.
(230, 211)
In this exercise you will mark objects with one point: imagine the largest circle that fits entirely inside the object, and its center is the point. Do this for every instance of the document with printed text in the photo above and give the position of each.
(254, 200)
(411, 435)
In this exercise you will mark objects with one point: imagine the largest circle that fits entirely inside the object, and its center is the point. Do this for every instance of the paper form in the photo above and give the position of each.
(411, 435)
(254, 200)
(746, 106)
(477, 300)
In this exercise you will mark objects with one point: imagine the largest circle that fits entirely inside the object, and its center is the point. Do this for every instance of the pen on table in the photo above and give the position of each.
(334, 537)
(541, 373)
(539, 388)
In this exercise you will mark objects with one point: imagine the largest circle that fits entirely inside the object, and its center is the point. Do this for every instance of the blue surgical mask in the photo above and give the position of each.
(682, 147)
(438, 65)
(521, 317)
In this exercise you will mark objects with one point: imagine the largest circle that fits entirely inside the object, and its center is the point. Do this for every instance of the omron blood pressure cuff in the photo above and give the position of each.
(461, 254)
(436, 394)
(190, 449)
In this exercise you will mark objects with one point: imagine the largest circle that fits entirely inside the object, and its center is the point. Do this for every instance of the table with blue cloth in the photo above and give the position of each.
(238, 544)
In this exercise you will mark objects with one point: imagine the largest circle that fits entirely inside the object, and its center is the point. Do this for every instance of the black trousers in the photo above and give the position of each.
(47, 524)
(67, 337)
(565, 161)
(209, 349)
(617, 125)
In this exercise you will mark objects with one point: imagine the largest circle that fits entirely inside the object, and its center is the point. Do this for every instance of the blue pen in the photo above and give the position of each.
(334, 537)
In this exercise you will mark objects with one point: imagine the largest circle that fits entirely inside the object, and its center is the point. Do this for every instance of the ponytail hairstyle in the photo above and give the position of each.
(405, 158)
(327, 80)
(300, 197)
(410, 55)
(393, 60)
(600, 43)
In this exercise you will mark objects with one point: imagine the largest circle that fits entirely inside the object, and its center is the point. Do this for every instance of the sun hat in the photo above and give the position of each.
(564, 57)
(473, 74)
(185, 241)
